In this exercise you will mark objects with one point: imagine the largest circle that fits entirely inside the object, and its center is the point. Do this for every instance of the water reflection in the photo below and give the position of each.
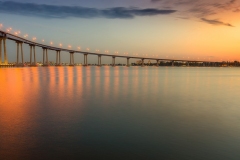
(119, 113)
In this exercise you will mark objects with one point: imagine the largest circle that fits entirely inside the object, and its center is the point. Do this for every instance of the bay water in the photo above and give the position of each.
(169, 113)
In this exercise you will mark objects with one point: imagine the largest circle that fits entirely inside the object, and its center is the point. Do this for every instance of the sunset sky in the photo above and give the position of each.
(183, 29)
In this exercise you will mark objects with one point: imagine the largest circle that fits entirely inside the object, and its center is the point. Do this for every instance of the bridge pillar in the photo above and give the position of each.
(22, 52)
(58, 58)
(113, 61)
(71, 58)
(5, 51)
(85, 60)
(172, 63)
(188, 64)
(17, 53)
(35, 61)
(99, 61)
(0, 51)
(157, 63)
(128, 65)
(30, 54)
(142, 62)
(20, 48)
(45, 57)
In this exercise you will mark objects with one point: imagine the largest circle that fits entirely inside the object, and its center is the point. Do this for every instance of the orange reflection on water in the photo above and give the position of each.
(106, 81)
(116, 84)
(97, 81)
(16, 98)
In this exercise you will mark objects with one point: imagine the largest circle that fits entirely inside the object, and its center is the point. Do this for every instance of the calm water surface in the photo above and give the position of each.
(120, 113)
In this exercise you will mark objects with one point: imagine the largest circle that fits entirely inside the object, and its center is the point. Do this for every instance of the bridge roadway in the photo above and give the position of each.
(19, 41)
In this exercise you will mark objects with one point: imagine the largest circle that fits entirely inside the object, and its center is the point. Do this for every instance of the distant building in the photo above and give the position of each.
(139, 62)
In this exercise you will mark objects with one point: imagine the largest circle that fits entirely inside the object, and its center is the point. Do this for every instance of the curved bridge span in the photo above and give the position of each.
(19, 41)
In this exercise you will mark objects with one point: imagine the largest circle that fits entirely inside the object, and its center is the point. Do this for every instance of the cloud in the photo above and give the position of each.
(202, 9)
(216, 22)
(51, 11)
(155, 0)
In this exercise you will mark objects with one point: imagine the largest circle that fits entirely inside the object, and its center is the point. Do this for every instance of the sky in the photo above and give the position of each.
(179, 29)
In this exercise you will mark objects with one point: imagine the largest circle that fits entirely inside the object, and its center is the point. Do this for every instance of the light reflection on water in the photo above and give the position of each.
(119, 113)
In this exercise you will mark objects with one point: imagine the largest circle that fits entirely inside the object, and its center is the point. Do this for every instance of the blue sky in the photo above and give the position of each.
(164, 28)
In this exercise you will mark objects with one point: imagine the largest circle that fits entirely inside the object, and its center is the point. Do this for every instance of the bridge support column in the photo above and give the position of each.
(188, 64)
(157, 63)
(128, 65)
(22, 52)
(17, 53)
(0, 51)
(85, 60)
(142, 62)
(30, 54)
(99, 61)
(20, 48)
(58, 58)
(113, 61)
(35, 61)
(5, 51)
(45, 57)
(172, 63)
(71, 58)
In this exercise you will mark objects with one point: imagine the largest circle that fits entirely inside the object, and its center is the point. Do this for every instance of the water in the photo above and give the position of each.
(116, 113)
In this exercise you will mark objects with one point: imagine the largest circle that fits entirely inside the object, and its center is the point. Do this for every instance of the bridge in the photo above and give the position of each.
(4, 35)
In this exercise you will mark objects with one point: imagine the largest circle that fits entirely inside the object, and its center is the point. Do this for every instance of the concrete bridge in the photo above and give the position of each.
(32, 45)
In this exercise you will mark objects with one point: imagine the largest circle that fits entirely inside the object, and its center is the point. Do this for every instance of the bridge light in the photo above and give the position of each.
(60, 44)
(43, 40)
(69, 46)
(88, 49)
(51, 43)
(79, 48)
